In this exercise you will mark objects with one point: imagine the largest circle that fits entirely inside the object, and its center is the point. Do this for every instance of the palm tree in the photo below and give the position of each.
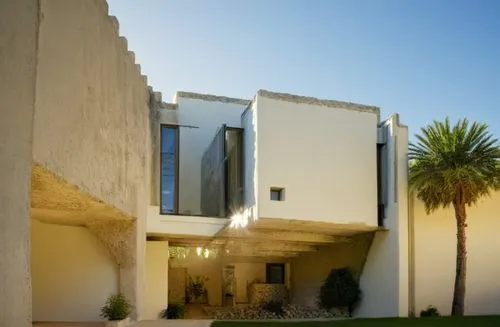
(454, 165)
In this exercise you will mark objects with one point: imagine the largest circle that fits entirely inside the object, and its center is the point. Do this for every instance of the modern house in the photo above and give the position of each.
(106, 188)
(275, 191)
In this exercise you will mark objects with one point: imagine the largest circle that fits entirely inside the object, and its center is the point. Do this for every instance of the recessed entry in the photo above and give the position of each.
(277, 194)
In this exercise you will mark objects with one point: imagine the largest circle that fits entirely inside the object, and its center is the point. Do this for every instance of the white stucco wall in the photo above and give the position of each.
(435, 254)
(324, 158)
(386, 273)
(205, 117)
(309, 271)
(157, 278)
(183, 225)
(72, 273)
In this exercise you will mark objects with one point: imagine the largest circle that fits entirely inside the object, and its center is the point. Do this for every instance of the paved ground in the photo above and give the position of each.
(68, 324)
(174, 323)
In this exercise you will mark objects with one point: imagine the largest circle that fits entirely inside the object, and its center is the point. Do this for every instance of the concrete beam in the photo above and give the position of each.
(257, 246)
(313, 238)
(262, 254)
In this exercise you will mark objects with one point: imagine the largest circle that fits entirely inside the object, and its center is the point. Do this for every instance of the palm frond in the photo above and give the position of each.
(450, 159)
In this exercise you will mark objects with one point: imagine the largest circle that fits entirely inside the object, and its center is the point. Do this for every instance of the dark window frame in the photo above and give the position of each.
(280, 193)
(380, 186)
(176, 183)
(269, 266)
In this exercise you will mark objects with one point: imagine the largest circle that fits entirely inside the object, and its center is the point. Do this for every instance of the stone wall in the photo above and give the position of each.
(263, 293)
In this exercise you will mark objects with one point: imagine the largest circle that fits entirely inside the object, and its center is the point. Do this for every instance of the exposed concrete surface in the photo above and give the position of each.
(92, 131)
(173, 323)
(18, 42)
(68, 324)
(92, 106)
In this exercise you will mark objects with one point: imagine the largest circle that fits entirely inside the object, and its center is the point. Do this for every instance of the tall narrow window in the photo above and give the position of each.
(169, 169)
(381, 185)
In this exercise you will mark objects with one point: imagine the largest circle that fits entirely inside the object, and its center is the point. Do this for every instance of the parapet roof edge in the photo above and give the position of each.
(211, 97)
(320, 102)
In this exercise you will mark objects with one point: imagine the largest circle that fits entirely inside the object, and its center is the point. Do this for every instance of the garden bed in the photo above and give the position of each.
(286, 312)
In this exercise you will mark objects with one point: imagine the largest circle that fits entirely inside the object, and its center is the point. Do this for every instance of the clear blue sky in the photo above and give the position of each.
(425, 59)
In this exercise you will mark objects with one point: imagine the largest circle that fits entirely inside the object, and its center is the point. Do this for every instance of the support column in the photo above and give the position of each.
(125, 240)
(18, 52)
(133, 275)
(156, 278)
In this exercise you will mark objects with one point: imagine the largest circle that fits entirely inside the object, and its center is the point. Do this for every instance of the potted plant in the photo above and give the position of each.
(116, 310)
(197, 293)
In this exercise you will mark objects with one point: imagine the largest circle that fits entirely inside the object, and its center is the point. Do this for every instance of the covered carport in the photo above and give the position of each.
(78, 245)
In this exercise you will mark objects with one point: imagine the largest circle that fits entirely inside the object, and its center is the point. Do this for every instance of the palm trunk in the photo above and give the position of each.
(458, 306)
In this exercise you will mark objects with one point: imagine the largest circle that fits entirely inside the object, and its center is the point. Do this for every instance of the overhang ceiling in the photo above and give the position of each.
(266, 237)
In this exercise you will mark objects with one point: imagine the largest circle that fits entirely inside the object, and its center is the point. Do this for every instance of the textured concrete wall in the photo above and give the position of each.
(18, 30)
(92, 112)
(435, 255)
(92, 125)
(69, 287)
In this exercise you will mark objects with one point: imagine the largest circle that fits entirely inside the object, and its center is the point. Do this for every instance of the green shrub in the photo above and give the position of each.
(340, 290)
(275, 307)
(173, 311)
(431, 311)
(117, 307)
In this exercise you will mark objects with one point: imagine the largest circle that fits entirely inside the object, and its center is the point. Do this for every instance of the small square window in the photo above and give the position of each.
(277, 194)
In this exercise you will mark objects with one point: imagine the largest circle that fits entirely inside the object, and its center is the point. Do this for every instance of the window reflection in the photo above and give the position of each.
(169, 167)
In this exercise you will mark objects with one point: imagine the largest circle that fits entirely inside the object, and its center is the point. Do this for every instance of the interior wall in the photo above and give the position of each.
(245, 274)
(203, 267)
(72, 273)
(252, 271)
(309, 271)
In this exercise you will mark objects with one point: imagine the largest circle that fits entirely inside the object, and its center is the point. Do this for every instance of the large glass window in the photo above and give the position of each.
(169, 169)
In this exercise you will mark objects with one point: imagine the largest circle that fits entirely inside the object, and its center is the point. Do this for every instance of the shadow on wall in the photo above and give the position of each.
(72, 273)
(310, 270)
